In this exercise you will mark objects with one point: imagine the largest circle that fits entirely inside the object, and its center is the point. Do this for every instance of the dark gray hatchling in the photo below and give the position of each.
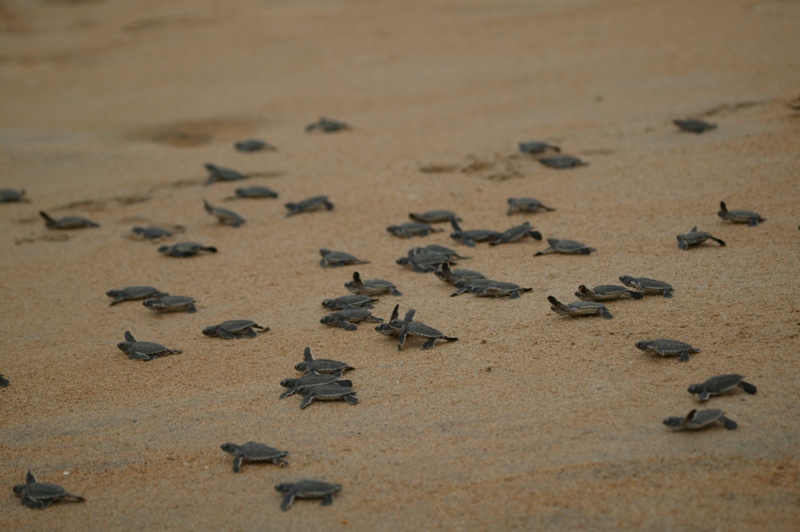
(253, 192)
(518, 232)
(234, 329)
(720, 384)
(565, 247)
(695, 238)
(251, 145)
(739, 216)
(468, 238)
(562, 161)
(10, 195)
(496, 289)
(313, 379)
(254, 452)
(536, 147)
(152, 232)
(606, 292)
(185, 249)
(434, 216)
(3, 381)
(143, 350)
(526, 205)
(225, 216)
(668, 348)
(320, 365)
(327, 125)
(353, 300)
(307, 489)
(68, 222)
(448, 275)
(41, 495)
(309, 204)
(371, 287)
(347, 318)
(220, 173)
(693, 125)
(412, 229)
(171, 304)
(408, 327)
(327, 392)
(336, 259)
(646, 285)
(468, 285)
(423, 260)
(700, 419)
(132, 293)
(579, 308)
(436, 248)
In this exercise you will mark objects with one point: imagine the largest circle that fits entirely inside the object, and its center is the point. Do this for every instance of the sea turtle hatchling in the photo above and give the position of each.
(695, 238)
(327, 392)
(171, 304)
(220, 173)
(336, 259)
(309, 204)
(352, 300)
(253, 192)
(451, 253)
(497, 289)
(526, 205)
(347, 318)
(254, 452)
(579, 308)
(448, 275)
(566, 247)
(10, 195)
(700, 419)
(739, 216)
(251, 145)
(470, 284)
(720, 384)
(307, 489)
(225, 216)
(132, 293)
(518, 232)
(371, 287)
(313, 379)
(143, 350)
(423, 261)
(647, 286)
(68, 222)
(234, 329)
(536, 147)
(41, 495)
(666, 348)
(319, 365)
(185, 249)
(408, 327)
(468, 238)
(693, 125)
(327, 125)
(434, 216)
(562, 161)
(606, 292)
(411, 229)
(151, 233)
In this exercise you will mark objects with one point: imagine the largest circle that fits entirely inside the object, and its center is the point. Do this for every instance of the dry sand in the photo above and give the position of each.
(532, 421)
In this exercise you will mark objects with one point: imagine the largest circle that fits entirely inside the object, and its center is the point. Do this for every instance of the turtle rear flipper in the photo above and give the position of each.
(747, 387)
(729, 423)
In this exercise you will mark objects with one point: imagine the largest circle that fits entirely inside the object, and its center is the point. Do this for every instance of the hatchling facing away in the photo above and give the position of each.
(335, 259)
(9, 195)
(526, 205)
(700, 419)
(720, 384)
(151, 233)
(69, 222)
(143, 350)
(579, 308)
(41, 495)
(346, 318)
(667, 348)
(566, 247)
(253, 192)
(313, 379)
(220, 173)
(353, 300)
(695, 238)
(468, 238)
(606, 292)
(327, 392)
(319, 365)
(251, 145)
(562, 161)
(185, 249)
(307, 489)
(411, 229)
(132, 293)
(447, 275)
(234, 329)
(371, 287)
(435, 216)
(518, 232)
(225, 216)
(327, 125)
(171, 304)
(536, 147)
(693, 125)
(254, 452)
(739, 216)
(309, 204)
(647, 286)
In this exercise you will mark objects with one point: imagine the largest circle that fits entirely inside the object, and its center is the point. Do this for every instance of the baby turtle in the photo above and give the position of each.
(313, 379)
(412, 229)
(171, 304)
(447, 275)
(309, 204)
(319, 365)
(69, 222)
(408, 327)
(434, 216)
(647, 286)
(566, 247)
(234, 329)
(353, 300)
(739, 216)
(579, 308)
(151, 233)
(469, 238)
(335, 259)
(143, 350)
(41, 495)
(515, 233)
(346, 318)
(327, 125)
(9, 195)
(220, 173)
(307, 489)
(327, 392)
(468, 285)
(251, 145)
(526, 205)
(606, 292)
(253, 192)
(693, 125)
(254, 452)
(132, 293)
(496, 289)
(185, 249)
(720, 384)
(667, 348)
(562, 161)
(436, 248)
(700, 419)
(422, 260)
(3, 381)
(695, 238)
(225, 216)
(371, 287)
(536, 147)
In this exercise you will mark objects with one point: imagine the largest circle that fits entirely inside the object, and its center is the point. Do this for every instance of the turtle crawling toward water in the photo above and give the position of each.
(448, 275)
(434, 216)
(526, 205)
(468, 238)
(234, 329)
(536, 147)
(253, 192)
(143, 350)
(739, 216)
(646, 285)
(579, 308)
(220, 173)
(225, 216)
(700, 419)
(307, 489)
(666, 347)
(335, 259)
(327, 125)
(606, 292)
(309, 204)
(254, 452)
(562, 161)
(132, 293)
(313, 379)
(68, 222)
(171, 304)
(41, 495)
(408, 327)
(251, 145)
(327, 392)
(411, 229)
(319, 365)
(693, 125)
(566, 247)
(185, 249)
(695, 238)
(720, 384)
(346, 318)
(352, 300)
(151, 233)
(515, 233)
(9, 195)
(371, 287)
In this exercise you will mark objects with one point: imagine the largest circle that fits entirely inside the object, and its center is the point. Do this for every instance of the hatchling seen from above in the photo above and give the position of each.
(152, 232)
(469, 238)
(371, 287)
(254, 452)
(346, 318)
(307, 489)
(352, 300)
(319, 365)
(313, 379)
(693, 125)
(327, 125)
(68, 222)
(171, 304)
(185, 249)
(234, 329)
(143, 350)
(562, 161)
(720, 384)
(225, 216)
(132, 293)
(695, 238)
(335, 259)
(526, 205)
(434, 216)
(9, 195)
(41, 495)
(739, 216)
(579, 308)
(700, 419)
(309, 204)
(327, 392)
(518, 232)
(566, 247)
(668, 348)
(646, 285)
(606, 292)
(220, 173)
(253, 192)
(411, 229)
(537, 147)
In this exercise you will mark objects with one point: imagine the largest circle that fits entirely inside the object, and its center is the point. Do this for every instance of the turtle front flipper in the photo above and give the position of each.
(536, 235)
(635, 295)
(192, 309)
(605, 313)
(718, 241)
(728, 423)
(222, 333)
(409, 315)
(667, 293)
(250, 333)
(327, 500)
(306, 401)
(683, 245)
(402, 339)
(429, 343)
(546, 251)
(129, 337)
(396, 292)
(704, 395)
(351, 399)
(747, 387)
(39, 504)
(307, 356)
(140, 356)
(288, 500)
(287, 393)
(278, 461)
(374, 319)
(346, 325)
(684, 357)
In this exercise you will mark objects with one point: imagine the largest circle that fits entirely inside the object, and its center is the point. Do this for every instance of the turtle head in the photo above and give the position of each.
(324, 251)
(327, 320)
(625, 279)
(229, 447)
(461, 283)
(329, 303)
(211, 330)
(301, 366)
(163, 249)
(289, 383)
(403, 261)
(552, 241)
(150, 303)
(114, 293)
(283, 487)
(304, 390)
(642, 344)
(673, 422)
(123, 346)
(695, 388)
(384, 328)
